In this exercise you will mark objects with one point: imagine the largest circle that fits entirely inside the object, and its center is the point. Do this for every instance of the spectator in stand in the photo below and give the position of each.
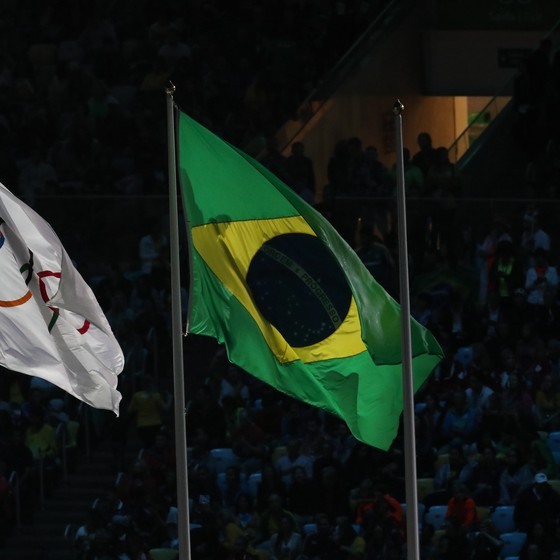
(454, 543)
(505, 274)
(99, 104)
(36, 177)
(204, 488)
(233, 486)
(456, 469)
(541, 282)
(233, 385)
(487, 542)
(425, 447)
(380, 508)
(461, 509)
(422, 310)
(537, 502)
(133, 546)
(271, 518)
(152, 248)
(205, 412)
(268, 415)
(338, 170)
(199, 451)
(378, 173)
(486, 252)
(160, 457)
(514, 478)
(320, 545)
(314, 436)
(413, 178)
(548, 318)
(173, 51)
(248, 441)
(538, 543)
(287, 543)
(333, 494)
(426, 156)
(485, 477)
(391, 472)
(205, 539)
(517, 399)
(301, 172)
(362, 499)
(121, 317)
(40, 438)
(350, 545)
(98, 39)
(459, 422)
(546, 411)
(86, 533)
(533, 237)
(242, 530)
(5, 502)
(302, 496)
(75, 156)
(477, 394)
(342, 440)
(293, 458)
(325, 457)
(376, 257)
(428, 543)
(526, 348)
(294, 417)
(526, 109)
(19, 459)
(360, 462)
(274, 161)
(35, 402)
(360, 173)
(489, 316)
(271, 483)
(541, 458)
(147, 407)
(494, 414)
(155, 80)
(445, 184)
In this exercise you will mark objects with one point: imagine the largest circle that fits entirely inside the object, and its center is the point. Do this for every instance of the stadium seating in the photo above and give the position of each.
(222, 458)
(513, 543)
(435, 515)
(502, 518)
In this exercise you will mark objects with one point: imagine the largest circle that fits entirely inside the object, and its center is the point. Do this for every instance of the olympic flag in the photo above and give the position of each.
(51, 325)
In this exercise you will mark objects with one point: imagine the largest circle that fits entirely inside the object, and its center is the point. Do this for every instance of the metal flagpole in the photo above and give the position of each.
(412, 535)
(183, 522)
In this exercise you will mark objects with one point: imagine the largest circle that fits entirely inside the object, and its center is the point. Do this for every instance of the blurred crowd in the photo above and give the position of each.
(82, 114)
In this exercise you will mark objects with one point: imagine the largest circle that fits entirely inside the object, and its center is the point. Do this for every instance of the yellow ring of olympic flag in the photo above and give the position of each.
(244, 239)
(15, 302)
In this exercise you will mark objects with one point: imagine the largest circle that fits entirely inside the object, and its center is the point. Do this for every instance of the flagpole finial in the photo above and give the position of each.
(170, 89)
(398, 107)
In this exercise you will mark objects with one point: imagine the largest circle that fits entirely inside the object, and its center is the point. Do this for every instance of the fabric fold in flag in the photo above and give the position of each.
(291, 301)
(51, 325)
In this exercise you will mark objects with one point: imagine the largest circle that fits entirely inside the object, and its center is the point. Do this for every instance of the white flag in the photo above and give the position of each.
(51, 325)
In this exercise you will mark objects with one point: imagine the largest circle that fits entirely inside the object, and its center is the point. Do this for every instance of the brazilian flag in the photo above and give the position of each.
(291, 301)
